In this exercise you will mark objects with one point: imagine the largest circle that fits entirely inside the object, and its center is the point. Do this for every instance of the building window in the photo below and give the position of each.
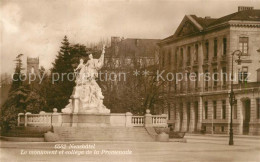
(215, 47)
(224, 76)
(223, 109)
(175, 85)
(235, 110)
(207, 50)
(206, 109)
(243, 74)
(215, 77)
(169, 58)
(206, 80)
(243, 45)
(188, 80)
(258, 108)
(188, 55)
(169, 112)
(196, 80)
(224, 46)
(196, 52)
(163, 59)
(176, 56)
(181, 61)
(222, 128)
(215, 109)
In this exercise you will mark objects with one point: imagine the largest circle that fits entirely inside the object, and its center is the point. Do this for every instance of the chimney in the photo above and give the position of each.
(243, 8)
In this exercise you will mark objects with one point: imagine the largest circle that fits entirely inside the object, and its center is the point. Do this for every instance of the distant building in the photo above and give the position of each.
(33, 65)
(124, 52)
(204, 45)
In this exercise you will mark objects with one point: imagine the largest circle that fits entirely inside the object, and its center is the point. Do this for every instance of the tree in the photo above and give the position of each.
(18, 76)
(22, 97)
(58, 97)
(135, 94)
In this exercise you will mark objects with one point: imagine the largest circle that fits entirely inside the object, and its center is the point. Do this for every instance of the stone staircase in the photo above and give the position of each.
(26, 132)
(103, 134)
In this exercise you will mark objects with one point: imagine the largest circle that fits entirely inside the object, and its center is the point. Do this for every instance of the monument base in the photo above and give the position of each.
(93, 120)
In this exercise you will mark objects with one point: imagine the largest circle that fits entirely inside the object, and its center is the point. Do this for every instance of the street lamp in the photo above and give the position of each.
(232, 95)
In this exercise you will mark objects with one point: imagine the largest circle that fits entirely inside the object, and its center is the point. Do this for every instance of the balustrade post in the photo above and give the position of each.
(148, 119)
(19, 119)
(164, 120)
(128, 119)
(26, 118)
(56, 118)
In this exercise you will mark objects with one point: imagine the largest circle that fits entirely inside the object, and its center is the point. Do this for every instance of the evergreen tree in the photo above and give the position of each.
(21, 98)
(59, 96)
(18, 76)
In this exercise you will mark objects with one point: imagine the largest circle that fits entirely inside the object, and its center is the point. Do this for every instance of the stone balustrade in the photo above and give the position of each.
(159, 120)
(137, 121)
(112, 119)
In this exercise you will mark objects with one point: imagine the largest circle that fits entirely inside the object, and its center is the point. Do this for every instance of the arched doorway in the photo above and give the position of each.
(246, 114)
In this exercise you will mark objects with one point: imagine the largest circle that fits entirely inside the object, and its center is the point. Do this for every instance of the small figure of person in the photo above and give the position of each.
(81, 69)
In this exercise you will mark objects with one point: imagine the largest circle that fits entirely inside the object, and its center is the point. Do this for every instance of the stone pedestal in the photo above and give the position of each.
(96, 120)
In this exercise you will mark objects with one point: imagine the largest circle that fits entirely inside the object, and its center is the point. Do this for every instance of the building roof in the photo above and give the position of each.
(247, 15)
(202, 24)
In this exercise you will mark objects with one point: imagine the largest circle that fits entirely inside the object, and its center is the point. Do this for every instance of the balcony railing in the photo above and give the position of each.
(247, 85)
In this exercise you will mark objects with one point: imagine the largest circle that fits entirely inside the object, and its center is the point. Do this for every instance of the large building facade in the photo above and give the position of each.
(203, 47)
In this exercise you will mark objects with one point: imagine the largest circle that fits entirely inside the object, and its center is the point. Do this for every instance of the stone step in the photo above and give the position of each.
(102, 134)
(26, 132)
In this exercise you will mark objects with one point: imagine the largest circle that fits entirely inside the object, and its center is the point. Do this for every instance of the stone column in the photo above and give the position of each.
(128, 117)
(200, 69)
(184, 120)
(192, 117)
(200, 114)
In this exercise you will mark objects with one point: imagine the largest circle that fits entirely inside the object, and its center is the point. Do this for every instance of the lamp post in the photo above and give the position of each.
(232, 95)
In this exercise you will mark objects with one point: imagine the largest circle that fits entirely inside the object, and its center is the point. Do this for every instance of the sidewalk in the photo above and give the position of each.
(222, 136)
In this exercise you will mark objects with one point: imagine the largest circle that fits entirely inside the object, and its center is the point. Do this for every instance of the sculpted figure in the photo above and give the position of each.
(87, 90)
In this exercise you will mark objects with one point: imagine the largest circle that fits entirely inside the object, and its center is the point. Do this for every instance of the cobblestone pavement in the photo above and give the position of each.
(197, 148)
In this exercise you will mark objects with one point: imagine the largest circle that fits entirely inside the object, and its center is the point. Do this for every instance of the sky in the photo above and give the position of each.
(36, 28)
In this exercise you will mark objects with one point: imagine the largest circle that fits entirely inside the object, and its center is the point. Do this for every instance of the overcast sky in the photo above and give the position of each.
(36, 27)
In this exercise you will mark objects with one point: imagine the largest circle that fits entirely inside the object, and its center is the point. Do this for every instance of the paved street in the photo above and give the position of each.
(198, 148)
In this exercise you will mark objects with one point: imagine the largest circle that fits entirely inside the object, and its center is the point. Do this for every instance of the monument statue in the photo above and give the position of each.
(87, 96)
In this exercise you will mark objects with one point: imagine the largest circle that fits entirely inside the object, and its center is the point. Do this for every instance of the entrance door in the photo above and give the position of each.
(181, 116)
(246, 117)
(196, 115)
(188, 117)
